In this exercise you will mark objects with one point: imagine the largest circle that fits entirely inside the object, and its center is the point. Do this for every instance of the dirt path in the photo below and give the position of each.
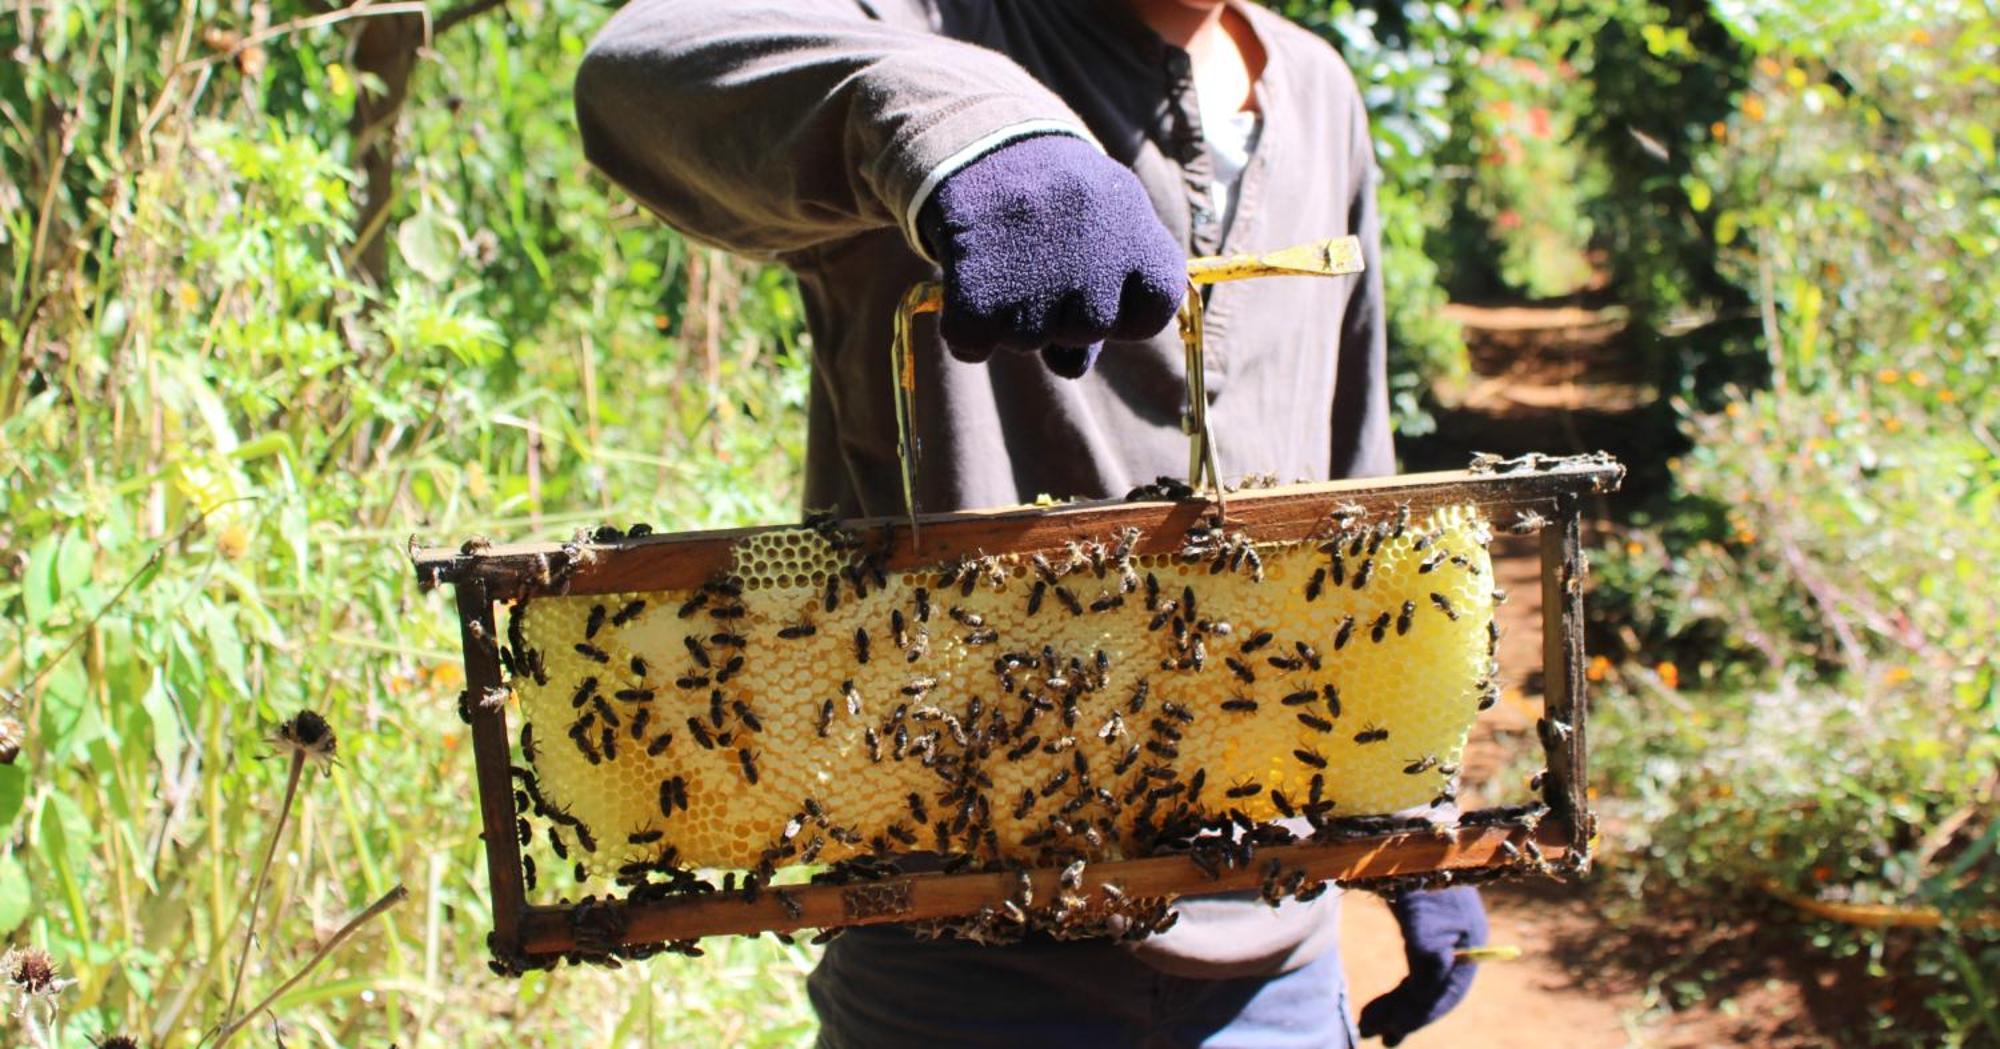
(1544, 379)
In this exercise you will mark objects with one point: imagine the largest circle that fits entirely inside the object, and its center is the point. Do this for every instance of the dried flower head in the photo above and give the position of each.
(117, 1041)
(307, 734)
(32, 972)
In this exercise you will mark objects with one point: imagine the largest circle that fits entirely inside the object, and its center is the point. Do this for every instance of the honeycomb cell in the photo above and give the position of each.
(1067, 703)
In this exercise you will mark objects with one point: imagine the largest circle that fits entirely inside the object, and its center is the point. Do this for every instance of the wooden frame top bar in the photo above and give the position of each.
(1278, 514)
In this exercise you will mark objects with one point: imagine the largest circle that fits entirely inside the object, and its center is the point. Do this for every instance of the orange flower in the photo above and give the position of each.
(1635, 548)
(1946, 396)
(1919, 379)
(1670, 675)
(1753, 107)
(447, 676)
(1719, 131)
(1538, 122)
(1888, 376)
(1598, 669)
(1822, 872)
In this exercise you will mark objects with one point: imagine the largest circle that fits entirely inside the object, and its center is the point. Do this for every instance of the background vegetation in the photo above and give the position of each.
(284, 283)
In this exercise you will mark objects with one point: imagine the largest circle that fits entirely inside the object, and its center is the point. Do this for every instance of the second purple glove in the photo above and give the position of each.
(1049, 245)
(1435, 925)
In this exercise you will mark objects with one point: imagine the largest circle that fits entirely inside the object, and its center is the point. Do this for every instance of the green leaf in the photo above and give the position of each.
(15, 894)
(13, 794)
(430, 242)
(38, 584)
(159, 708)
(73, 562)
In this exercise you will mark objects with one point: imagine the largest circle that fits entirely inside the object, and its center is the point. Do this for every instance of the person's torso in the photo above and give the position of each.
(1007, 431)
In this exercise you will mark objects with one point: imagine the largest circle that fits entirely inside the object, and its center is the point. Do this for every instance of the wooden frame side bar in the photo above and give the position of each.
(490, 750)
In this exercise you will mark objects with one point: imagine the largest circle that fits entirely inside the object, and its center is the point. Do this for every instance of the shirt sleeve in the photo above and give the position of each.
(774, 127)
(1363, 439)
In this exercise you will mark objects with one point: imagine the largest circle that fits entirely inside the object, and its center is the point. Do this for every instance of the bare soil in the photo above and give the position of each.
(1566, 378)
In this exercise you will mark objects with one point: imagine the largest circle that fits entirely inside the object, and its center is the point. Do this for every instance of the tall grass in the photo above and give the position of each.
(216, 441)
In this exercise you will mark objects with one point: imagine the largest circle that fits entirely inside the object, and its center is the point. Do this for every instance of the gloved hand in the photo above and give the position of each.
(1434, 925)
(1049, 245)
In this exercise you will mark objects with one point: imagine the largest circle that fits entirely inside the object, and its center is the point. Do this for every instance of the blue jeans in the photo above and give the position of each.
(881, 988)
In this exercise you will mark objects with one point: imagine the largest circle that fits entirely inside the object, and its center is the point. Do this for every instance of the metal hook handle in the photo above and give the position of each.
(1338, 257)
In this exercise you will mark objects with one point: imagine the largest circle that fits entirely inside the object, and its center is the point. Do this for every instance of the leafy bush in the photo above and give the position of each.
(217, 437)
(1823, 570)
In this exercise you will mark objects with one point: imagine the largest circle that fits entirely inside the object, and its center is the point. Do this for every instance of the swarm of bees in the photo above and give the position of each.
(1208, 696)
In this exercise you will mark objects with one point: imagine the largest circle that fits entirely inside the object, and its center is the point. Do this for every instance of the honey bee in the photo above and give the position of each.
(629, 612)
(1315, 584)
(1138, 700)
(639, 719)
(1429, 564)
(1240, 705)
(797, 630)
(1332, 696)
(607, 740)
(1444, 605)
(729, 669)
(747, 716)
(583, 692)
(1283, 804)
(832, 599)
(1242, 671)
(853, 697)
(825, 718)
(693, 604)
(749, 763)
(594, 623)
(1286, 662)
(1381, 628)
(1069, 600)
(715, 707)
(1177, 712)
(1315, 722)
(874, 744)
(1310, 757)
(861, 645)
(592, 652)
(1245, 790)
(659, 744)
(634, 695)
(1165, 750)
(697, 651)
(729, 640)
(1107, 603)
(700, 733)
(728, 612)
(1405, 618)
(1299, 698)
(1125, 760)
(1371, 733)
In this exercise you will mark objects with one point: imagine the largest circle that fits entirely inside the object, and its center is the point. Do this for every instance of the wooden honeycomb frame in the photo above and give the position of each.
(1552, 836)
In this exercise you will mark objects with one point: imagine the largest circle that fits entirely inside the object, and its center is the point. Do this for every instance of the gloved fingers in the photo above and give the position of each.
(1151, 296)
(1391, 1016)
(968, 354)
(1084, 316)
(1071, 362)
(975, 330)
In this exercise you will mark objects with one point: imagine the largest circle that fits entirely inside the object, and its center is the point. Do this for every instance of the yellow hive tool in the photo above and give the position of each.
(1338, 257)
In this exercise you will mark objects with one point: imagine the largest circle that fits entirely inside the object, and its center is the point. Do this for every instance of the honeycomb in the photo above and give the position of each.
(1073, 699)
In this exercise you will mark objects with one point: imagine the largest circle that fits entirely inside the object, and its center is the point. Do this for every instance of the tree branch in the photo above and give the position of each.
(463, 12)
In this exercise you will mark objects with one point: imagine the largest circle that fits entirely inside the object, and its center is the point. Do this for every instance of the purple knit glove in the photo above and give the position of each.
(1435, 924)
(1049, 245)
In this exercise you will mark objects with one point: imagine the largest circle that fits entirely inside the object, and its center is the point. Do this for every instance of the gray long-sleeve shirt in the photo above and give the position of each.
(810, 131)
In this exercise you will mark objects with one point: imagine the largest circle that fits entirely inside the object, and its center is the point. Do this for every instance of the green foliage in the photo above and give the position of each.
(1824, 568)
(215, 442)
